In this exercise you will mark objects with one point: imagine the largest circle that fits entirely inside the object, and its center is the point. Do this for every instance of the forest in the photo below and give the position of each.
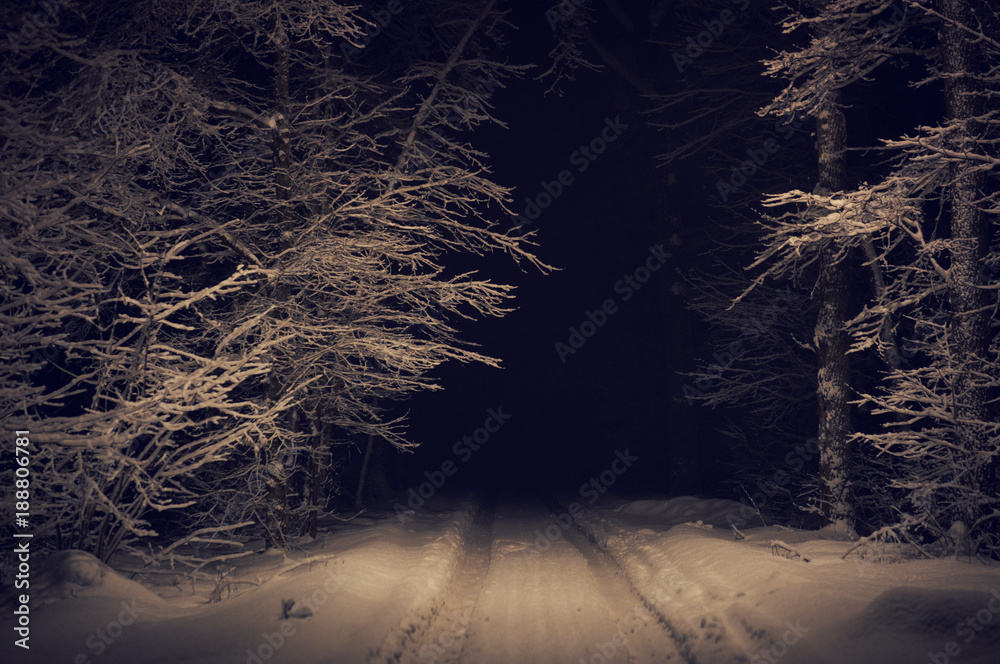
(246, 245)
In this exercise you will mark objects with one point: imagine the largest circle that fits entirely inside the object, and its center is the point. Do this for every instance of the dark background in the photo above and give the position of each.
(568, 418)
(625, 387)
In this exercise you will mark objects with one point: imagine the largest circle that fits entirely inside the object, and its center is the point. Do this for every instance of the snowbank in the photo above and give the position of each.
(336, 599)
(760, 602)
(73, 573)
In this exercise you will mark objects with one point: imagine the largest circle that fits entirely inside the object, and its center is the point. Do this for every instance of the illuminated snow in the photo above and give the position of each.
(680, 587)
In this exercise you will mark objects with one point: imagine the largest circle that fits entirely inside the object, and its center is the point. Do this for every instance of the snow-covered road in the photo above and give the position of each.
(523, 597)
(521, 582)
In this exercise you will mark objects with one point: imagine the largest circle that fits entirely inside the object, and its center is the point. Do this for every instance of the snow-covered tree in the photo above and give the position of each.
(258, 239)
(943, 403)
(923, 233)
(817, 73)
(123, 396)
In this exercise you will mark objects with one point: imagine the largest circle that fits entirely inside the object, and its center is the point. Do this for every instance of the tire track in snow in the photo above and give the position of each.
(437, 633)
(679, 637)
(614, 583)
(445, 638)
(400, 644)
(701, 636)
(560, 603)
(624, 625)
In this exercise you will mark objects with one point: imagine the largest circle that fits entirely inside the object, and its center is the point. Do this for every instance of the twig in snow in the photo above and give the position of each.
(752, 502)
(779, 548)
(216, 595)
(306, 561)
(350, 518)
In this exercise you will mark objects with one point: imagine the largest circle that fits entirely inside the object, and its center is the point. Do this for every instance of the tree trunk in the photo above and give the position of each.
(969, 331)
(684, 439)
(359, 495)
(320, 462)
(832, 343)
(366, 464)
(277, 509)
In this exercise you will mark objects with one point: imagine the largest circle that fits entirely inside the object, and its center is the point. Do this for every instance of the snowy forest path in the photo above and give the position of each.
(519, 596)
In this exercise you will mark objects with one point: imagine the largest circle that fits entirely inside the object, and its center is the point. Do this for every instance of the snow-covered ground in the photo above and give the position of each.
(365, 588)
(755, 597)
(526, 583)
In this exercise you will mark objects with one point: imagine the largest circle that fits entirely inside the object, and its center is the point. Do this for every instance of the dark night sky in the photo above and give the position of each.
(566, 418)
